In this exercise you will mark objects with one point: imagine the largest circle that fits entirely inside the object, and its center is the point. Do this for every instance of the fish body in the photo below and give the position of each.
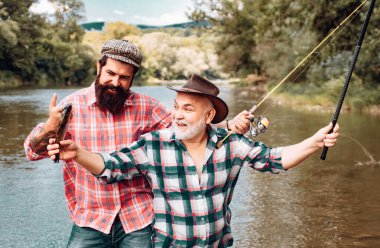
(63, 124)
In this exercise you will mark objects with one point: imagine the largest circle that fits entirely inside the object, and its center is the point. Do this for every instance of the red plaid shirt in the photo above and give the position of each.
(93, 204)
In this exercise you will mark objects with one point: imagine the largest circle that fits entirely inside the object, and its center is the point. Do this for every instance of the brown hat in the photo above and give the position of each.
(201, 86)
(122, 50)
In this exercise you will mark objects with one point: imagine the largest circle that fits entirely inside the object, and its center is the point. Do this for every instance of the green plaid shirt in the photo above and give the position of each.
(190, 212)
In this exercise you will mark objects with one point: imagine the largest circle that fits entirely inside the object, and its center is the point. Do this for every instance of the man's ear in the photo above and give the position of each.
(210, 115)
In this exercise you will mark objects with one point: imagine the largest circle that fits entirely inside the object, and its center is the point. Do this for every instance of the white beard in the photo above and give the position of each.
(191, 131)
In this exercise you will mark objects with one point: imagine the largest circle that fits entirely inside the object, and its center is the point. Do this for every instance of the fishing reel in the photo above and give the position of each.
(260, 126)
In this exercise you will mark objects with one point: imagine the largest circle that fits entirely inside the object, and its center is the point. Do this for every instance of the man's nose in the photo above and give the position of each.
(178, 114)
(115, 81)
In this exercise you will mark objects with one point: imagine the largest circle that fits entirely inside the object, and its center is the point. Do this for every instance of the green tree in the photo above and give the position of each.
(118, 30)
(273, 36)
(24, 30)
(43, 50)
(171, 57)
(235, 24)
(329, 15)
(68, 13)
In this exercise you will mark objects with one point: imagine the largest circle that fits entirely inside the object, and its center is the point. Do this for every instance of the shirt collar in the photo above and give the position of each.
(92, 96)
(213, 137)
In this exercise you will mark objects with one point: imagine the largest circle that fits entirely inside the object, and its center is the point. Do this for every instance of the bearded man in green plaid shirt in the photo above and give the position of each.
(192, 180)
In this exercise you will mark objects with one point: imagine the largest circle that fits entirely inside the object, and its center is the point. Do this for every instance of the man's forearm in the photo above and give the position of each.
(295, 154)
(39, 142)
(92, 162)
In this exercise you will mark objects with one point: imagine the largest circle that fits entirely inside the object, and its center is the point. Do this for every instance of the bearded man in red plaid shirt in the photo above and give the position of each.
(192, 179)
(108, 116)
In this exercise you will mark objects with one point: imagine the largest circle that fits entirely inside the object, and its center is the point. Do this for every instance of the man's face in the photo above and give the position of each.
(112, 84)
(190, 115)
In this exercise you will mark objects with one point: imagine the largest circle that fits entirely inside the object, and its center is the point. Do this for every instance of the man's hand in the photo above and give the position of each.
(55, 112)
(323, 138)
(294, 154)
(67, 149)
(240, 124)
(40, 140)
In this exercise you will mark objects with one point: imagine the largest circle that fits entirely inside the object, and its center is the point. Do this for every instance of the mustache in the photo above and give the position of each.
(178, 122)
(119, 89)
(109, 86)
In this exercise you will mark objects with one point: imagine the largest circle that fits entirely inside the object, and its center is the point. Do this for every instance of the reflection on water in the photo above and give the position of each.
(332, 203)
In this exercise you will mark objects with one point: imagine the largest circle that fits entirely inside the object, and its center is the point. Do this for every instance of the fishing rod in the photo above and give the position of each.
(349, 74)
(263, 122)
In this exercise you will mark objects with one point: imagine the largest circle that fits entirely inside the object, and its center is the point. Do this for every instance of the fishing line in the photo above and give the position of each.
(366, 152)
(371, 161)
(327, 40)
(349, 19)
(313, 51)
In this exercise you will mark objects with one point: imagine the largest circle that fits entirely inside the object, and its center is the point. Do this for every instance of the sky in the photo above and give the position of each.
(149, 12)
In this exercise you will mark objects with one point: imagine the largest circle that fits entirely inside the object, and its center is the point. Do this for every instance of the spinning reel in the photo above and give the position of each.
(255, 129)
(260, 126)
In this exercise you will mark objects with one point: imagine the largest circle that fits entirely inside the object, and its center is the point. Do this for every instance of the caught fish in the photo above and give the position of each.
(63, 123)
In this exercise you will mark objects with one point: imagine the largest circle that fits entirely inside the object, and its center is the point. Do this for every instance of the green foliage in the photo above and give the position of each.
(112, 30)
(168, 53)
(8, 29)
(168, 57)
(118, 30)
(271, 37)
(9, 80)
(252, 39)
(236, 27)
(43, 50)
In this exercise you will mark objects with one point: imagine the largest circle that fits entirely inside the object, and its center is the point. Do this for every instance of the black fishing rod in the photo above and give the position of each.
(349, 74)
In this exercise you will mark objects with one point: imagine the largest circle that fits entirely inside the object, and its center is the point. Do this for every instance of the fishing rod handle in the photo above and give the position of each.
(324, 153)
(253, 109)
(325, 149)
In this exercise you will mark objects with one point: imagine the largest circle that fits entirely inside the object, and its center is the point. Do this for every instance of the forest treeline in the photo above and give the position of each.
(255, 41)
(270, 37)
(43, 50)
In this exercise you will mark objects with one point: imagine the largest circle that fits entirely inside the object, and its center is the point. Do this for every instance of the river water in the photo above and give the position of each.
(332, 203)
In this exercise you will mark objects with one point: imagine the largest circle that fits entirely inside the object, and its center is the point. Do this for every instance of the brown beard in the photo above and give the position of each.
(112, 102)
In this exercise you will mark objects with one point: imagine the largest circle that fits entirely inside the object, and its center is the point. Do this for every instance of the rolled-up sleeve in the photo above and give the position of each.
(30, 154)
(125, 164)
(260, 157)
